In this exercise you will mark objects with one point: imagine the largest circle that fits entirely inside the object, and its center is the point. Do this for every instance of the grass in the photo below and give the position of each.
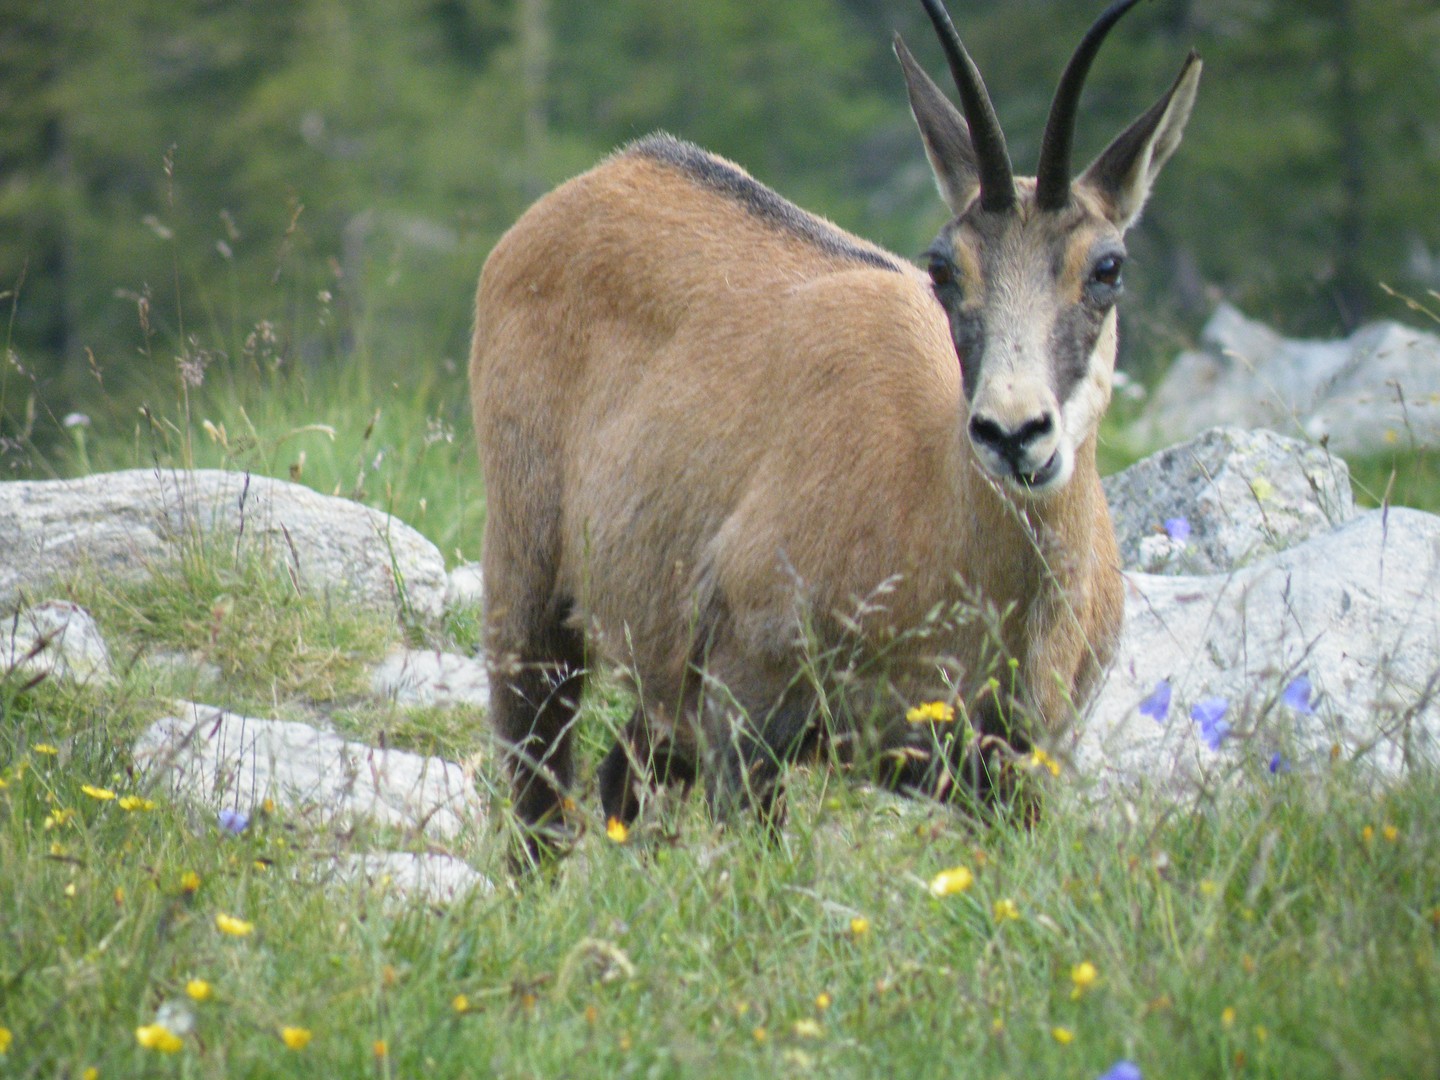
(1291, 928)
(1409, 477)
(264, 641)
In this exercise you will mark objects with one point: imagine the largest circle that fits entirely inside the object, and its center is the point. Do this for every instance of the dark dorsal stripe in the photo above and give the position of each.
(760, 201)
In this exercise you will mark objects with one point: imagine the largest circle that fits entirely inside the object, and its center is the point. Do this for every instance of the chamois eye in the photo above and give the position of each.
(942, 271)
(1107, 270)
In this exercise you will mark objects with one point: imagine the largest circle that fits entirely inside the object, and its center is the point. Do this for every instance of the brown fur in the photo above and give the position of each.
(658, 468)
(706, 436)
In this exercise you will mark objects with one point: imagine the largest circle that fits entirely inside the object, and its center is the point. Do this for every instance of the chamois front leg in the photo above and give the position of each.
(536, 693)
(749, 737)
(641, 761)
(970, 762)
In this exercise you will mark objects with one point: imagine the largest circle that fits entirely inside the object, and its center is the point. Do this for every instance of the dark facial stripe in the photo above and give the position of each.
(715, 175)
(1071, 343)
(968, 333)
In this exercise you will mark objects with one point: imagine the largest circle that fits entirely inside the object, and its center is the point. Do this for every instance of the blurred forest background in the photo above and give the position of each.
(309, 182)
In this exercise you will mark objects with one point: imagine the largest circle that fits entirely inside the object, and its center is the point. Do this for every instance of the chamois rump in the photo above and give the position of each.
(720, 435)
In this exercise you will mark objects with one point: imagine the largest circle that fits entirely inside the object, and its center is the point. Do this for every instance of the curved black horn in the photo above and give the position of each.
(997, 178)
(1052, 175)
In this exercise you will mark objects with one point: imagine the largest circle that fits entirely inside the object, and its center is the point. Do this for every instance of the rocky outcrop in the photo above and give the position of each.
(412, 677)
(425, 876)
(1375, 390)
(56, 639)
(1348, 622)
(1223, 499)
(216, 758)
(127, 523)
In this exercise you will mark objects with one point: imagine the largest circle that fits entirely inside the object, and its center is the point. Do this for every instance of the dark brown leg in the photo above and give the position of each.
(637, 761)
(533, 703)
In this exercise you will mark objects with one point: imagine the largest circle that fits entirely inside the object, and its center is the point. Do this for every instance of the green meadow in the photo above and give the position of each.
(1285, 925)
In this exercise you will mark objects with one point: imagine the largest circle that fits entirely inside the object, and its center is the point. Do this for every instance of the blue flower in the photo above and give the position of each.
(1210, 715)
(1121, 1070)
(1298, 695)
(1279, 763)
(1157, 705)
(1178, 529)
(233, 821)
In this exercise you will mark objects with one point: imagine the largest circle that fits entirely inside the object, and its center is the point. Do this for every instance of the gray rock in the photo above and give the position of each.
(56, 639)
(426, 677)
(221, 760)
(1243, 494)
(428, 878)
(191, 673)
(1374, 390)
(465, 587)
(124, 524)
(1357, 611)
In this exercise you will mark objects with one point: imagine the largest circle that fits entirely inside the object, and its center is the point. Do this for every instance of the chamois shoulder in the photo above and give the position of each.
(728, 180)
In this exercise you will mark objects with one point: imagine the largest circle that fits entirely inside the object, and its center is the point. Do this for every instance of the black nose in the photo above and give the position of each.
(1012, 444)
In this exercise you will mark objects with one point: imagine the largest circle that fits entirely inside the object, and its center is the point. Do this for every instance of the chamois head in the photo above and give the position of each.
(1029, 270)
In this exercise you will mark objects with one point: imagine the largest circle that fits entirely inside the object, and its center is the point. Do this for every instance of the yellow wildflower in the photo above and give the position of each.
(1006, 910)
(380, 1047)
(6, 1038)
(760, 1034)
(100, 793)
(859, 926)
(460, 1003)
(1390, 832)
(615, 829)
(1367, 834)
(1083, 975)
(199, 990)
(1063, 1036)
(228, 924)
(58, 817)
(823, 1001)
(1039, 759)
(807, 1029)
(91, 1073)
(158, 1037)
(952, 881)
(1227, 1017)
(932, 712)
(136, 802)
(189, 881)
(46, 749)
(296, 1038)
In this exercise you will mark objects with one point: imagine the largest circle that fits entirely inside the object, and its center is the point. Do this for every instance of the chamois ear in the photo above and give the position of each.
(1123, 173)
(944, 132)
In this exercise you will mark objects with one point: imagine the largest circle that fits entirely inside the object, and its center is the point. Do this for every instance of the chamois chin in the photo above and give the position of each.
(720, 435)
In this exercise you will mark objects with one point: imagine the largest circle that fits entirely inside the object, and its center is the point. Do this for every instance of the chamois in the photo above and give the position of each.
(720, 435)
